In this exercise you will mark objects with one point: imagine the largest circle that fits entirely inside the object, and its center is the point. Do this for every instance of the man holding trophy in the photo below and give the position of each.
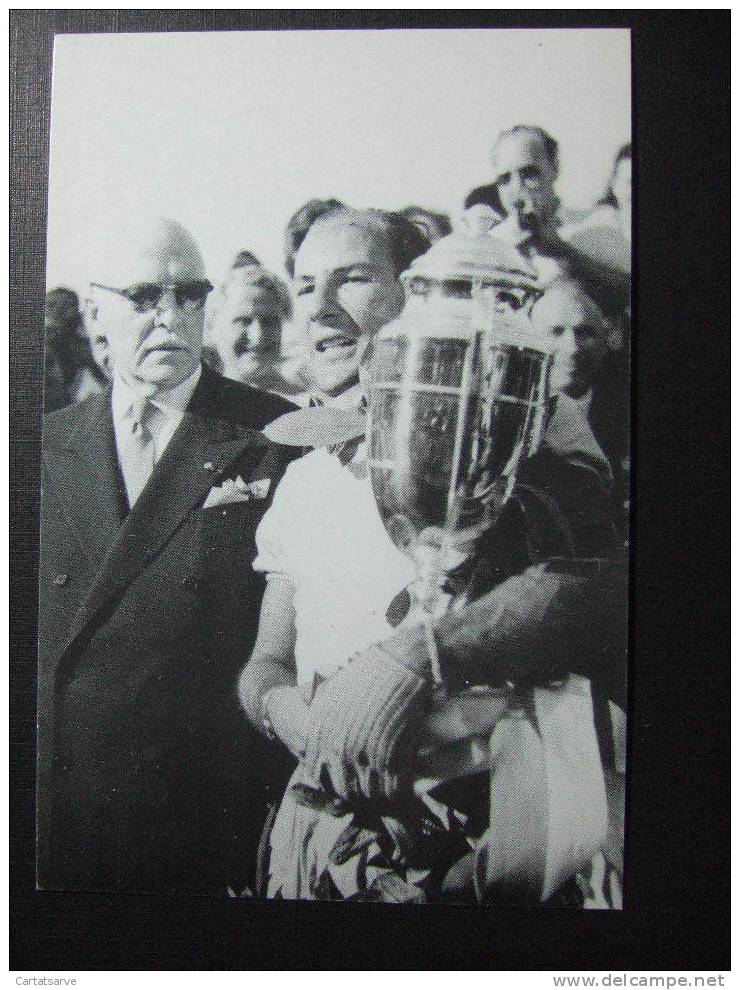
(461, 757)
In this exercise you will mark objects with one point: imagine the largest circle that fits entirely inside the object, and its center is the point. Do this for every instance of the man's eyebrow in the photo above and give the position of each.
(358, 264)
(342, 269)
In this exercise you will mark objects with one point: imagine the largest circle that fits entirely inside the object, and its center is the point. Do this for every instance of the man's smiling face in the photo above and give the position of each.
(346, 288)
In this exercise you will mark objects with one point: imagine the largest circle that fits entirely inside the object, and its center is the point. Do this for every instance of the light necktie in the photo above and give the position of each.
(137, 450)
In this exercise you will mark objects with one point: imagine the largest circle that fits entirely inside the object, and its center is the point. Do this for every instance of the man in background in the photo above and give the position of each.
(522, 195)
(585, 369)
(526, 166)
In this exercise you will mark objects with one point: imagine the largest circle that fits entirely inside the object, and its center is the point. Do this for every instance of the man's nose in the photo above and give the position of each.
(255, 333)
(323, 302)
(167, 301)
(168, 312)
(516, 185)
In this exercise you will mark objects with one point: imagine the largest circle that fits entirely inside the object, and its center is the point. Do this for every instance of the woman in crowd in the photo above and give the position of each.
(245, 328)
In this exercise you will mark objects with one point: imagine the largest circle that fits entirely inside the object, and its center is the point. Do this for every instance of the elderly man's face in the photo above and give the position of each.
(346, 289)
(247, 327)
(524, 177)
(151, 310)
(577, 333)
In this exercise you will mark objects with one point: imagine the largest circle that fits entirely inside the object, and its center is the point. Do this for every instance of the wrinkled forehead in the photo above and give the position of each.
(157, 251)
(515, 151)
(343, 240)
(567, 307)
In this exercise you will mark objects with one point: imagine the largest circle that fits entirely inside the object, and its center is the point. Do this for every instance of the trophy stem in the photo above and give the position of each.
(433, 649)
(434, 601)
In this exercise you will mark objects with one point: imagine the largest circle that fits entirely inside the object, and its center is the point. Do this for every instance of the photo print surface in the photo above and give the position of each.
(334, 543)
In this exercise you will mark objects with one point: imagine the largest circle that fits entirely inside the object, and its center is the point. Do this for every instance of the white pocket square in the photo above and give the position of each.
(236, 490)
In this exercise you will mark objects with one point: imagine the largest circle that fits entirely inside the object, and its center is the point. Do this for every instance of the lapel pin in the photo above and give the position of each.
(208, 466)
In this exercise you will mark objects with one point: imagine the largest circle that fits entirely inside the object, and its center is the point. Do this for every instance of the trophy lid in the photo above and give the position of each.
(474, 257)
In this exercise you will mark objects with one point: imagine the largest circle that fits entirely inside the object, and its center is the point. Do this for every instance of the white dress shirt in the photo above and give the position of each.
(168, 410)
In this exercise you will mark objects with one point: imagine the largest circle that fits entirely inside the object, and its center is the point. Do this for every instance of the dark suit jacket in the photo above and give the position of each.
(149, 775)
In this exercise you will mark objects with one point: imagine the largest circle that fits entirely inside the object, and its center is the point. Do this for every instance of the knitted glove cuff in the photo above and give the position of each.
(394, 705)
(362, 713)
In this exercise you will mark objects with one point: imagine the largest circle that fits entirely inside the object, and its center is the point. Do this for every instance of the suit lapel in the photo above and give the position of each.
(85, 475)
(201, 449)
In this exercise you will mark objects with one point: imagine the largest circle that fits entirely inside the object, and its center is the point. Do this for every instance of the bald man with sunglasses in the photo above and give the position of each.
(148, 777)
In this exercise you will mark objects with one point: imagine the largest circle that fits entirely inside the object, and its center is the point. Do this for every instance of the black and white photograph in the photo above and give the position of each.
(333, 587)
(336, 470)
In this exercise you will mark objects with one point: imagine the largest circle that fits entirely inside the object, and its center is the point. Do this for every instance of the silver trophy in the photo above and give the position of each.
(458, 390)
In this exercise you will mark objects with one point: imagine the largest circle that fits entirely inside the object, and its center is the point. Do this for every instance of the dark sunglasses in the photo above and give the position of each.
(148, 295)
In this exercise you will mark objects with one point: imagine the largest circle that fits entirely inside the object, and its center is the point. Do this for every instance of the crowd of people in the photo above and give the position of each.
(237, 693)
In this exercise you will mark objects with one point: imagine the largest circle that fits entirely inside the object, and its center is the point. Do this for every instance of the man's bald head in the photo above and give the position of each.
(577, 331)
(148, 247)
(566, 291)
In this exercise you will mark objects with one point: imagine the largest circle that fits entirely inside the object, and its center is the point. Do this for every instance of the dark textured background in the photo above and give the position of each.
(677, 888)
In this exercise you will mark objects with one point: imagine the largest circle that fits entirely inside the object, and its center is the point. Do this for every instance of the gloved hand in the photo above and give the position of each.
(364, 720)
(554, 618)
(503, 635)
